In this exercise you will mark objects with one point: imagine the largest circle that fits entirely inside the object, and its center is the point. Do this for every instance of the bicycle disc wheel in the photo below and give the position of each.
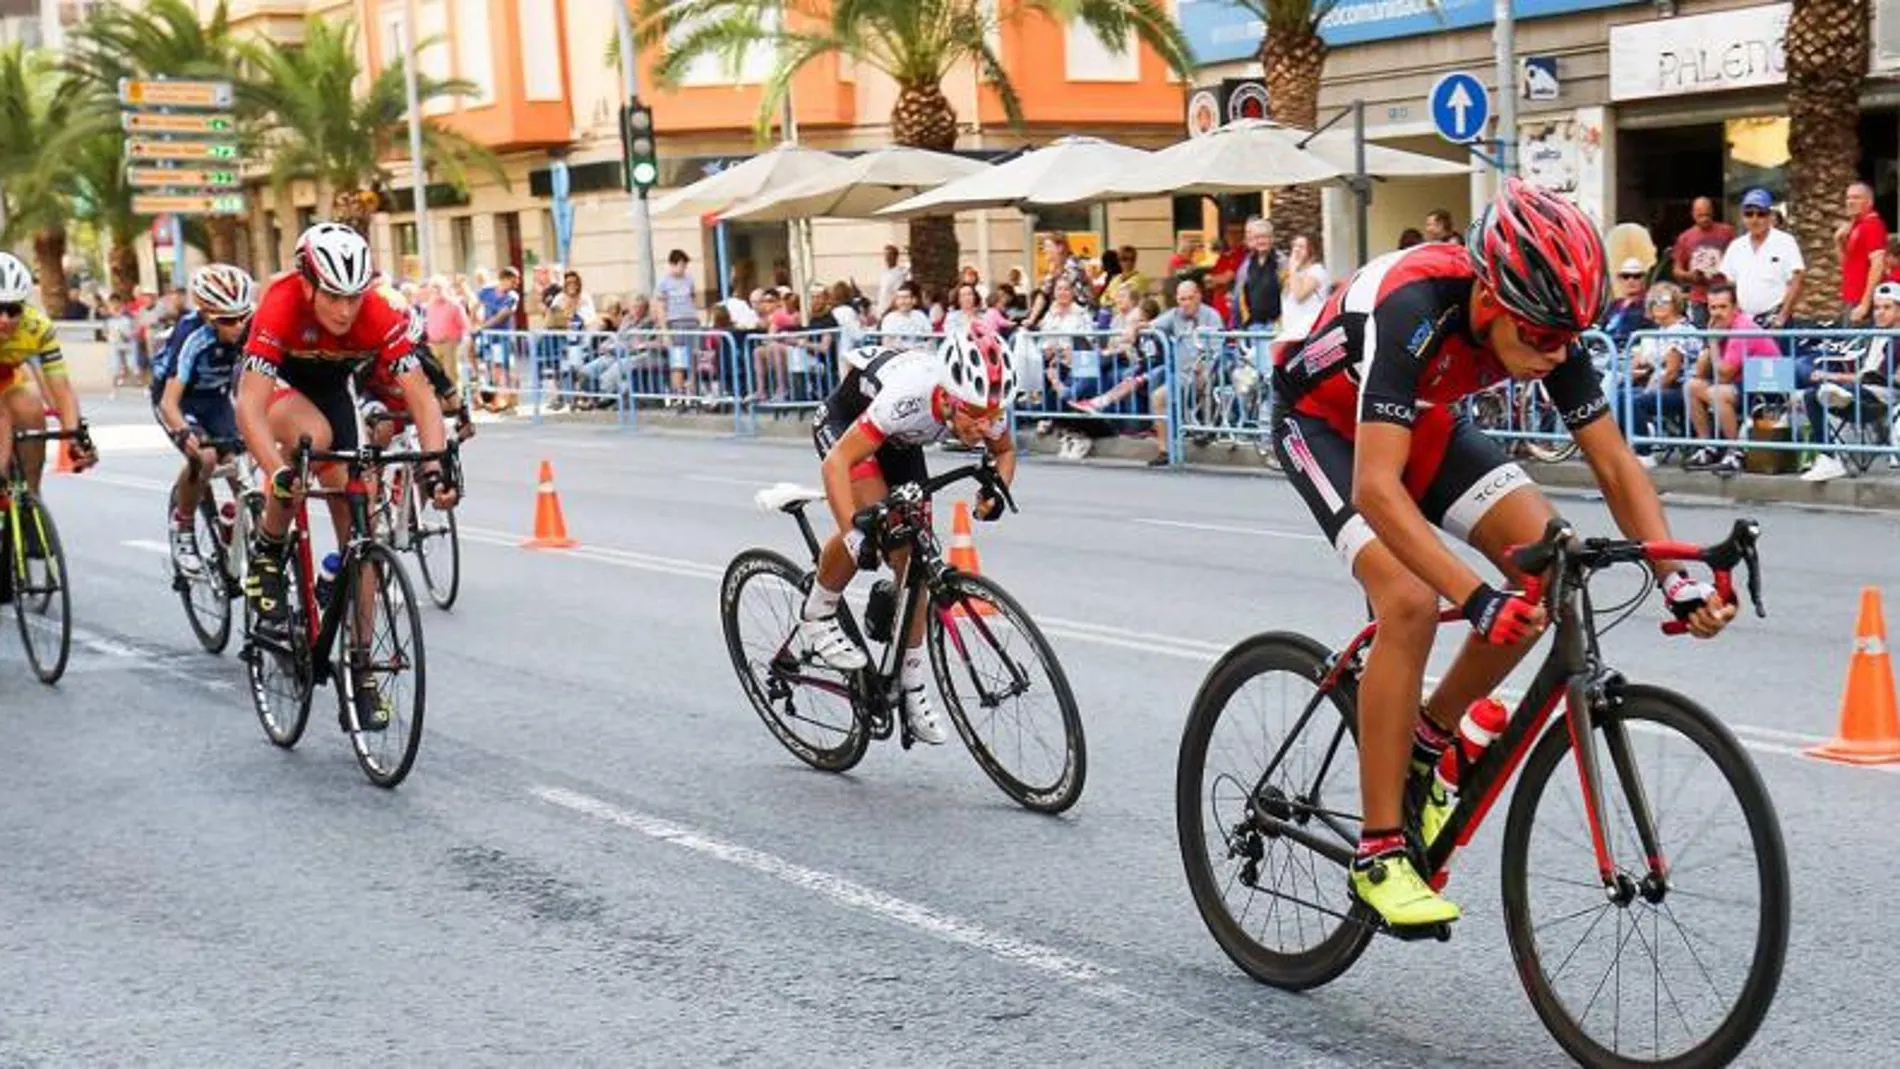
(1007, 694)
(761, 599)
(1254, 770)
(278, 665)
(1674, 972)
(206, 596)
(438, 548)
(41, 599)
(380, 643)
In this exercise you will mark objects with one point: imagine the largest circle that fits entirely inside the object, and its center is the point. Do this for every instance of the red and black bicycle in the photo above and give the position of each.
(1645, 887)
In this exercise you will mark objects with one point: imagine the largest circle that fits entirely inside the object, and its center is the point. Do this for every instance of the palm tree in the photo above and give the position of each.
(1293, 59)
(917, 43)
(40, 120)
(1827, 46)
(102, 195)
(326, 131)
(165, 38)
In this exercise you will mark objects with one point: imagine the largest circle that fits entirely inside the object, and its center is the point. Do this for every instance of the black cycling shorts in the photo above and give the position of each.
(896, 463)
(210, 416)
(330, 393)
(1456, 475)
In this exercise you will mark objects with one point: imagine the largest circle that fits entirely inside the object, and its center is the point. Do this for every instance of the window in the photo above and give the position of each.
(474, 50)
(432, 31)
(540, 54)
(306, 218)
(462, 242)
(405, 235)
(1089, 60)
(754, 66)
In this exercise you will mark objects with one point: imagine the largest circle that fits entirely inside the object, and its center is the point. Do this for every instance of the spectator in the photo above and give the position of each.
(1718, 378)
(446, 322)
(997, 311)
(1409, 237)
(1862, 242)
(1110, 266)
(121, 342)
(499, 304)
(1764, 264)
(845, 314)
(1303, 293)
(1440, 228)
(603, 357)
(546, 288)
(1855, 395)
(1893, 258)
(1628, 313)
(890, 281)
(1126, 256)
(905, 325)
(1188, 326)
(1654, 389)
(969, 277)
(968, 310)
(569, 311)
(678, 300)
(1219, 284)
(1071, 365)
(1063, 264)
(768, 351)
(1696, 257)
(932, 304)
(1257, 296)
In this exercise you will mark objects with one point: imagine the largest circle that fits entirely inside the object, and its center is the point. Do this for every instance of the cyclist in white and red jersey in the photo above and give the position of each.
(1364, 430)
(871, 432)
(315, 326)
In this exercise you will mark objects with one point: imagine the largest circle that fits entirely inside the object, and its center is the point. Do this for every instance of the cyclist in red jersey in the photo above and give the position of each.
(1365, 432)
(315, 326)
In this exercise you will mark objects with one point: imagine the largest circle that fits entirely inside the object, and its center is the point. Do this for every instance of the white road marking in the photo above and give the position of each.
(852, 896)
(724, 480)
(148, 546)
(130, 482)
(1221, 528)
(138, 659)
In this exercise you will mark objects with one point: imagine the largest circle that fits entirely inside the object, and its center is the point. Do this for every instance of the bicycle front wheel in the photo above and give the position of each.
(1265, 796)
(41, 598)
(205, 593)
(277, 662)
(1676, 963)
(437, 546)
(380, 663)
(761, 600)
(1007, 694)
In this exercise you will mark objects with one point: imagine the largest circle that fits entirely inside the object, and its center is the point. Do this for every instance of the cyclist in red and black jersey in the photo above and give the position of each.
(1364, 428)
(315, 326)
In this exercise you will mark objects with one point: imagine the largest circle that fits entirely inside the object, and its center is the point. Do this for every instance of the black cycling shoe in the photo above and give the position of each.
(371, 707)
(266, 586)
(35, 543)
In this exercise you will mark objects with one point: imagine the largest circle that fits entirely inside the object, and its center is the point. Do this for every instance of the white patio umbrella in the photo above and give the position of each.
(781, 166)
(1241, 157)
(857, 187)
(1335, 147)
(1065, 171)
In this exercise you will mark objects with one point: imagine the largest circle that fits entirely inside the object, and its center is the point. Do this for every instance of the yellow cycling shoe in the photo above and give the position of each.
(1393, 888)
(1427, 799)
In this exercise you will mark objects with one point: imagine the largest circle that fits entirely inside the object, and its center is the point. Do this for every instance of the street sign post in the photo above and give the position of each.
(150, 148)
(145, 122)
(1460, 107)
(187, 204)
(169, 93)
(196, 177)
(181, 156)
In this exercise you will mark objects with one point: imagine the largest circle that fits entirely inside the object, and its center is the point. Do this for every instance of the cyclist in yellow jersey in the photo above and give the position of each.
(27, 336)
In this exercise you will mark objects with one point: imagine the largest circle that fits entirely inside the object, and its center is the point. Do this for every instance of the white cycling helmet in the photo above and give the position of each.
(16, 282)
(335, 259)
(222, 291)
(976, 369)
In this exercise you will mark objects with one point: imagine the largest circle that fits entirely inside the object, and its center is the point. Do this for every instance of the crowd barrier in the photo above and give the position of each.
(1808, 390)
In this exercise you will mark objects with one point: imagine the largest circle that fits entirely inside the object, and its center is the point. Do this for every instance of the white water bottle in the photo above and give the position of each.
(326, 577)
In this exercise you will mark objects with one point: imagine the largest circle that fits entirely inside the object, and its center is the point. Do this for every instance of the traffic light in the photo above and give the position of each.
(637, 145)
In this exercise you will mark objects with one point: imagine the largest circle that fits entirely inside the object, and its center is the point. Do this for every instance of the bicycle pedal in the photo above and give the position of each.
(1415, 933)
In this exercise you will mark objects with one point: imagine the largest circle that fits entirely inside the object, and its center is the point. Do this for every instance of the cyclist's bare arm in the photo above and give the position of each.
(426, 411)
(171, 405)
(59, 390)
(253, 419)
(6, 440)
(853, 449)
(1380, 453)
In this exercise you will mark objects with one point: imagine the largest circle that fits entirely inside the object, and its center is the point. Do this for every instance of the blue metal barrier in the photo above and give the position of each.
(789, 371)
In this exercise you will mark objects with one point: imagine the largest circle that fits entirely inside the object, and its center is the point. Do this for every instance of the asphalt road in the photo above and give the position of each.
(603, 858)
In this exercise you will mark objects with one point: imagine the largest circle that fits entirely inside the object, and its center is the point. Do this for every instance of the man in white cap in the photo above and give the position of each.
(1764, 263)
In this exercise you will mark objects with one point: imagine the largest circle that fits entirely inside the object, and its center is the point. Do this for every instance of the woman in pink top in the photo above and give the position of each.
(446, 322)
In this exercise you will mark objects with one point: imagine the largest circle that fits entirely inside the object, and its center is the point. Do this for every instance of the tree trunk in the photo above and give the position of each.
(924, 118)
(123, 264)
(223, 231)
(49, 262)
(1827, 61)
(1293, 58)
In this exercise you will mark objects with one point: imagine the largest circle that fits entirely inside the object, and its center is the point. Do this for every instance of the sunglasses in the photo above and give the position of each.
(230, 321)
(1544, 339)
(1631, 278)
(12, 309)
(1750, 213)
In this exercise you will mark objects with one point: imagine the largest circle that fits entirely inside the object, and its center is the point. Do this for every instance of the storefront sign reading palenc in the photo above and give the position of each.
(1699, 53)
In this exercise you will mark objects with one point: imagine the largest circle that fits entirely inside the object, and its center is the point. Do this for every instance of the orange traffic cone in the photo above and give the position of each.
(963, 553)
(550, 530)
(1870, 727)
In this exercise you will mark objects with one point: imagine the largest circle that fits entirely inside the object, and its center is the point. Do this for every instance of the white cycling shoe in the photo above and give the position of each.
(921, 716)
(828, 642)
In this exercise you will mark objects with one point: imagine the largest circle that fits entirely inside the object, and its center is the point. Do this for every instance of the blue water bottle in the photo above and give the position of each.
(326, 578)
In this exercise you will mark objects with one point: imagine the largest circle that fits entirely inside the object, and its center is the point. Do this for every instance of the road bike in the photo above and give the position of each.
(35, 577)
(407, 520)
(366, 639)
(221, 527)
(974, 628)
(1597, 859)
(1523, 408)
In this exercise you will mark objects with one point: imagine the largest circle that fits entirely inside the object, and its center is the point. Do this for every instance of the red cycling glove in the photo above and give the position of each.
(1499, 618)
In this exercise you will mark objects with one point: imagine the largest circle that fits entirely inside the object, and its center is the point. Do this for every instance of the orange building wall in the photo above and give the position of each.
(510, 121)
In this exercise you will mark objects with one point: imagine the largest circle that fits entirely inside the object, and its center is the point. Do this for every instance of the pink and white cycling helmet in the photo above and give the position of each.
(976, 369)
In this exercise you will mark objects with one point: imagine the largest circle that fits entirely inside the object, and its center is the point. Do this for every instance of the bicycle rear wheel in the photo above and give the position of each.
(1536, 413)
(1267, 770)
(761, 599)
(41, 599)
(1717, 914)
(1038, 756)
(277, 662)
(206, 595)
(380, 657)
(438, 548)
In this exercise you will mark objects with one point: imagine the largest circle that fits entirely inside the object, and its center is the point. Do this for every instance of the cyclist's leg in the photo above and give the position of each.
(28, 413)
(905, 464)
(292, 417)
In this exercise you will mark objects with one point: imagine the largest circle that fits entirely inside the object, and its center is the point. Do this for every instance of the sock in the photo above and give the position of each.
(1429, 742)
(1376, 843)
(912, 674)
(181, 517)
(821, 603)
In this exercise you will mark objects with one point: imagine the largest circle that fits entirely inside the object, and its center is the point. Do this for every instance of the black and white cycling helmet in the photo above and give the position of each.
(977, 371)
(16, 282)
(335, 259)
(222, 291)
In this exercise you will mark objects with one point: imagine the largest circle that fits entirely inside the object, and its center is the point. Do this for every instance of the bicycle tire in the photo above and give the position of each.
(1260, 655)
(442, 590)
(1544, 451)
(747, 566)
(386, 766)
(959, 589)
(49, 589)
(214, 636)
(1699, 726)
(286, 659)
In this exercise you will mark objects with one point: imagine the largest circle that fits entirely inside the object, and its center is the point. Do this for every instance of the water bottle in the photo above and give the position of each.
(879, 610)
(227, 521)
(326, 577)
(1483, 722)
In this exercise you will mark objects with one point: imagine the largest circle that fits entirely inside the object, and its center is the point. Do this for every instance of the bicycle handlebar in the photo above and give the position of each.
(871, 518)
(80, 434)
(1561, 548)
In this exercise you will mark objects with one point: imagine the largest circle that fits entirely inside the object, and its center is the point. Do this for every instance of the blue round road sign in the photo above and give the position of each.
(1460, 106)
